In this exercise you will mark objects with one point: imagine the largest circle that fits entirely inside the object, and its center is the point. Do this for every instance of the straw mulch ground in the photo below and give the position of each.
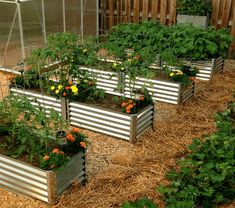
(120, 171)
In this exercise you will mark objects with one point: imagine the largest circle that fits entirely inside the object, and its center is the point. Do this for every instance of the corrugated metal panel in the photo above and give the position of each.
(208, 68)
(74, 170)
(107, 132)
(46, 102)
(145, 120)
(105, 80)
(105, 121)
(160, 90)
(23, 178)
(188, 92)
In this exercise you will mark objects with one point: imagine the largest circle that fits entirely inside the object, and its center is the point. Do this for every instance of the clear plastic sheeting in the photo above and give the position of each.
(25, 24)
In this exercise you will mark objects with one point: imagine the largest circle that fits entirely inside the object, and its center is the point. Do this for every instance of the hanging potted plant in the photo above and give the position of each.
(196, 12)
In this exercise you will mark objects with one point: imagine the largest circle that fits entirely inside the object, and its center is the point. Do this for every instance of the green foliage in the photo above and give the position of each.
(140, 203)
(149, 38)
(195, 7)
(29, 131)
(53, 160)
(205, 178)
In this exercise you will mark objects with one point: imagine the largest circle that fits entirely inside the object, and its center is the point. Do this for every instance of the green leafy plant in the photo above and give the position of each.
(140, 203)
(205, 178)
(76, 141)
(56, 158)
(195, 7)
(29, 133)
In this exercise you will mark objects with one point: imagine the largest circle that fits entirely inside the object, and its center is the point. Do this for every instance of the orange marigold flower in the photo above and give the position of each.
(128, 111)
(75, 130)
(64, 94)
(131, 106)
(70, 137)
(192, 78)
(70, 82)
(124, 104)
(142, 98)
(46, 157)
(68, 88)
(83, 144)
(56, 150)
(130, 101)
(61, 152)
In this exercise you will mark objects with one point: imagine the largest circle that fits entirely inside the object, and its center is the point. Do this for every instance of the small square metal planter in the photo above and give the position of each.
(117, 124)
(44, 185)
(208, 68)
(202, 21)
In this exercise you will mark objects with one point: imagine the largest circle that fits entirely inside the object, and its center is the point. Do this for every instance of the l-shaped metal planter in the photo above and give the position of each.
(44, 185)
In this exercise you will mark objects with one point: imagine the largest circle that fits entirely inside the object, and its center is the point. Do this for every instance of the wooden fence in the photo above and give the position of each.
(113, 12)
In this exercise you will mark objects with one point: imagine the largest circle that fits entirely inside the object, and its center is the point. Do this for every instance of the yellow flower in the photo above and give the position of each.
(122, 68)
(57, 91)
(85, 50)
(74, 89)
(172, 74)
(52, 87)
(114, 65)
(60, 87)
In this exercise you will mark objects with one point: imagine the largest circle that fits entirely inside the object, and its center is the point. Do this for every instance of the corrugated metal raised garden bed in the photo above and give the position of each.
(124, 126)
(38, 183)
(117, 124)
(161, 90)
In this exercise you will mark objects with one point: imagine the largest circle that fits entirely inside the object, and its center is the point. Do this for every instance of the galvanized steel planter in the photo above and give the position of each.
(105, 80)
(202, 21)
(208, 68)
(44, 101)
(44, 185)
(120, 125)
(164, 91)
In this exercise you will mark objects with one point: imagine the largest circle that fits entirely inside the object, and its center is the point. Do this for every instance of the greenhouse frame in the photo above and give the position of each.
(25, 25)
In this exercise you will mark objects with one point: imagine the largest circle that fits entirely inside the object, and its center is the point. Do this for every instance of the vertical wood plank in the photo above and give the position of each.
(233, 25)
(154, 9)
(172, 12)
(136, 10)
(163, 10)
(226, 11)
(111, 13)
(215, 13)
(145, 9)
(127, 11)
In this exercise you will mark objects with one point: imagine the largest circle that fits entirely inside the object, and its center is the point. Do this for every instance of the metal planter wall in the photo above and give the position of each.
(44, 185)
(44, 101)
(208, 68)
(164, 91)
(119, 125)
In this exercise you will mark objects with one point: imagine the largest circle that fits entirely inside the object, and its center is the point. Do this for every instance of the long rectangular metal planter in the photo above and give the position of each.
(44, 185)
(44, 101)
(164, 91)
(120, 125)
